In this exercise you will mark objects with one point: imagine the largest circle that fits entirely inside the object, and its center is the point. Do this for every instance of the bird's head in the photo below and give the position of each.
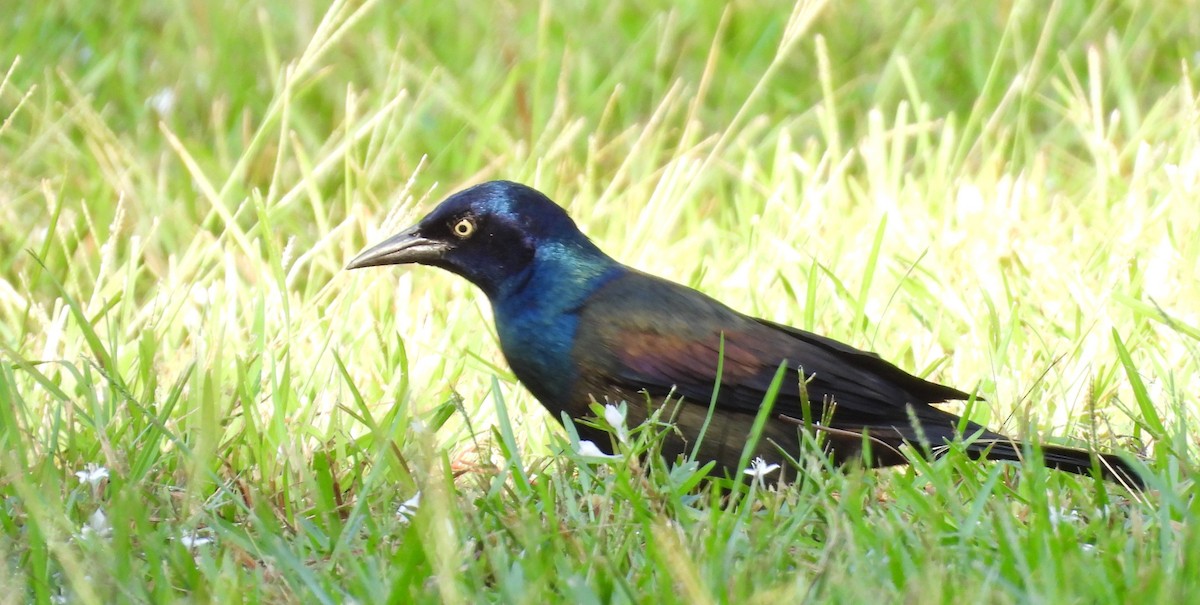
(490, 234)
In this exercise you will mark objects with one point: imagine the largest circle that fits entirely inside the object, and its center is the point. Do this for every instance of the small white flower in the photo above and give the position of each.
(759, 469)
(1063, 515)
(97, 525)
(408, 508)
(192, 540)
(92, 474)
(588, 449)
(162, 102)
(615, 417)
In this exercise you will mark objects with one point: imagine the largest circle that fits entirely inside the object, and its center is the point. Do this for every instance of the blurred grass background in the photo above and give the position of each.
(999, 195)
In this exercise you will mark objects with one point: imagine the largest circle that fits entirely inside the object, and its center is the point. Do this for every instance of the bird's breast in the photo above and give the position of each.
(538, 321)
(538, 349)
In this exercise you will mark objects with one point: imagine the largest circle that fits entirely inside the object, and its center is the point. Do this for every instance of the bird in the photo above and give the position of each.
(577, 328)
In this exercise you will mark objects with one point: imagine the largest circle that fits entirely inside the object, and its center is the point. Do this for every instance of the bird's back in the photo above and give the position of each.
(640, 335)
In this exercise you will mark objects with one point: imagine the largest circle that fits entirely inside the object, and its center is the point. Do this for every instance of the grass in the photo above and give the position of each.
(1001, 197)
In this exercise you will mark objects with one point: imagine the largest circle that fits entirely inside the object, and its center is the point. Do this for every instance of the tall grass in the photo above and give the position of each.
(999, 196)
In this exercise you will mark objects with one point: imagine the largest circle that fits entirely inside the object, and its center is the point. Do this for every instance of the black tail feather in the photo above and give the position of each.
(886, 448)
(1080, 462)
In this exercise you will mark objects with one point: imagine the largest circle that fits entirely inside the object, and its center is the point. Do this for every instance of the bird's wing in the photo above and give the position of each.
(640, 332)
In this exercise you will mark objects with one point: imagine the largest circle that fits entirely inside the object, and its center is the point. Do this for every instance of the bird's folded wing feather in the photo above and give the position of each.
(643, 333)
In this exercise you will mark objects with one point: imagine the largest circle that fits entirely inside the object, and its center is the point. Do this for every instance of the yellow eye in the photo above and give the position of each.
(464, 228)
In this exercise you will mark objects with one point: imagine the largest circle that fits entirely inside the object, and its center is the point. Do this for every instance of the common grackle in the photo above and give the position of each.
(577, 326)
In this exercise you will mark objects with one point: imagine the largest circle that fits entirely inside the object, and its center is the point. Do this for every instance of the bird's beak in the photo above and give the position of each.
(408, 246)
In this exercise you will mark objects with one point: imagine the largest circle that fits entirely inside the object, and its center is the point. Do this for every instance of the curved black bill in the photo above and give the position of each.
(408, 246)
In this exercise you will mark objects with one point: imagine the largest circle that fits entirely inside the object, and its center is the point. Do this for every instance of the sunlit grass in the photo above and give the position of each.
(999, 197)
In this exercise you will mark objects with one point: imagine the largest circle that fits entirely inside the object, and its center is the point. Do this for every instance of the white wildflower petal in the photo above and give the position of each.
(1063, 515)
(614, 416)
(192, 540)
(760, 469)
(588, 449)
(162, 102)
(92, 474)
(408, 508)
(97, 525)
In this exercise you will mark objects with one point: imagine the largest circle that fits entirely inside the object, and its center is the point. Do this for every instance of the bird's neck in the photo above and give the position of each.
(537, 313)
(560, 275)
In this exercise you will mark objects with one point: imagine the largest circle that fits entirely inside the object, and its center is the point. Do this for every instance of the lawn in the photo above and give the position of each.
(197, 403)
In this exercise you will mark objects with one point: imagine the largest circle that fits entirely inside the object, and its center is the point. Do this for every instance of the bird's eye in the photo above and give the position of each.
(464, 228)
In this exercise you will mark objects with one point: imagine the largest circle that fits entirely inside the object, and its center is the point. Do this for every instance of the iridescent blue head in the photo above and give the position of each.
(492, 234)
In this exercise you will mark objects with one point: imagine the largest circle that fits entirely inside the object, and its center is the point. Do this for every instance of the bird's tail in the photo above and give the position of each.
(1080, 462)
(886, 441)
